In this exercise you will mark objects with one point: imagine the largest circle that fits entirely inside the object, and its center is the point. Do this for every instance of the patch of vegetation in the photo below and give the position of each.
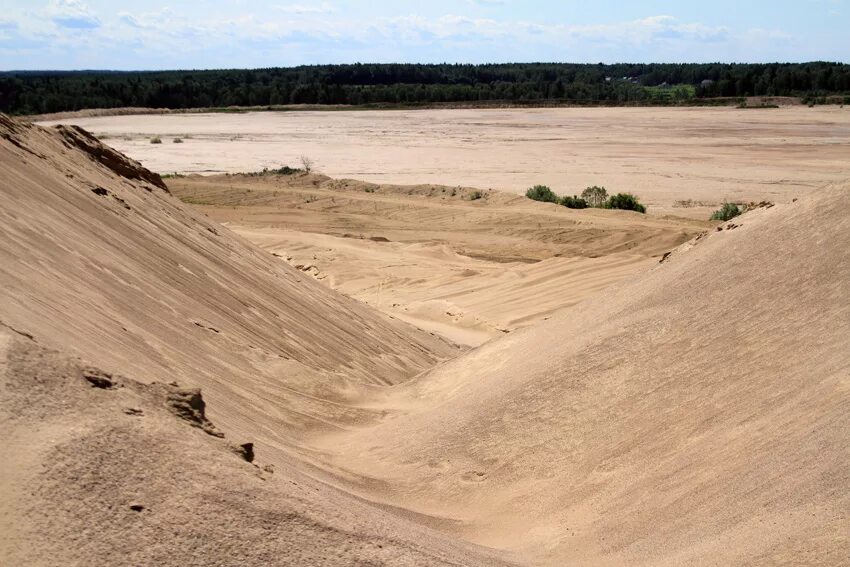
(174, 175)
(156, 140)
(727, 212)
(626, 202)
(369, 189)
(574, 202)
(595, 196)
(285, 170)
(177, 141)
(195, 201)
(474, 196)
(541, 193)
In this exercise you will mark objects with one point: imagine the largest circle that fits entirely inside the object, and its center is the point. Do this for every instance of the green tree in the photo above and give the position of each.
(595, 196)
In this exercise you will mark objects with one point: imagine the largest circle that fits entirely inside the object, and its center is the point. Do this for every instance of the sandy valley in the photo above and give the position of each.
(418, 366)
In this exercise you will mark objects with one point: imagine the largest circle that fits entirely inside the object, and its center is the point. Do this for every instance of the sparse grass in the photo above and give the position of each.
(691, 203)
(195, 201)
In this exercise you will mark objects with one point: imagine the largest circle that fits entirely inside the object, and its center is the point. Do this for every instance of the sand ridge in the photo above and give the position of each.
(697, 413)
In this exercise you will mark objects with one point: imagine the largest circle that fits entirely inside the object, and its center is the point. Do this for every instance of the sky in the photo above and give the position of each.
(175, 34)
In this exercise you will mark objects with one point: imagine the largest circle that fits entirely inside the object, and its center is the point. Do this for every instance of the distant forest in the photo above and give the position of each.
(36, 92)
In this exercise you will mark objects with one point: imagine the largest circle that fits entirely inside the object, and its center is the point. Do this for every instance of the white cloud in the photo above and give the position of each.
(301, 33)
(303, 9)
(71, 14)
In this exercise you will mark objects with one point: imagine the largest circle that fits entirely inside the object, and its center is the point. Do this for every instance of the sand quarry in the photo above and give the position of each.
(365, 365)
(663, 155)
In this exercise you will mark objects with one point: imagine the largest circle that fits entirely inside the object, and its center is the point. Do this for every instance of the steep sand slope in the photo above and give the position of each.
(110, 476)
(98, 260)
(699, 414)
(466, 269)
(120, 271)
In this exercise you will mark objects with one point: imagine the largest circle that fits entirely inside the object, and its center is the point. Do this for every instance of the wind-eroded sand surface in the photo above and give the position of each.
(663, 155)
(468, 270)
(695, 413)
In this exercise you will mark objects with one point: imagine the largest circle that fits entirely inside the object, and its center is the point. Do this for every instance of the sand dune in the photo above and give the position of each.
(111, 476)
(468, 270)
(698, 414)
(695, 412)
(114, 269)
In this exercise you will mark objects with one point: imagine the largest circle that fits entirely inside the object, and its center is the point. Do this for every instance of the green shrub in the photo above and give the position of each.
(626, 202)
(177, 141)
(541, 193)
(156, 140)
(726, 212)
(595, 196)
(474, 196)
(285, 170)
(573, 202)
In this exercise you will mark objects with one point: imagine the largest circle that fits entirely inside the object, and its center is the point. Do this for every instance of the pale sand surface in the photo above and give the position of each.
(466, 270)
(661, 154)
(120, 273)
(695, 412)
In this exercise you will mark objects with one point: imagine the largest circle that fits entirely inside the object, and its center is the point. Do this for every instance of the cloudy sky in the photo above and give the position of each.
(169, 34)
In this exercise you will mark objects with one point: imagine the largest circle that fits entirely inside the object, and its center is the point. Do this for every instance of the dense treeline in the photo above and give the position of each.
(32, 92)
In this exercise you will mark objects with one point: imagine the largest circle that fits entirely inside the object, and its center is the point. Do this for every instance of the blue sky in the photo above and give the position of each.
(169, 34)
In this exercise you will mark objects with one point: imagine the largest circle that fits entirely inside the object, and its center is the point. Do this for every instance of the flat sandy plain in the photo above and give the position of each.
(663, 155)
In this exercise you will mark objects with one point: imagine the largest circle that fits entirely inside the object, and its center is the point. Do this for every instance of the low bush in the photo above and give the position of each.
(156, 140)
(177, 141)
(727, 212)
(542, 193)
(474, 196)
(573, 202)
(626, 202)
